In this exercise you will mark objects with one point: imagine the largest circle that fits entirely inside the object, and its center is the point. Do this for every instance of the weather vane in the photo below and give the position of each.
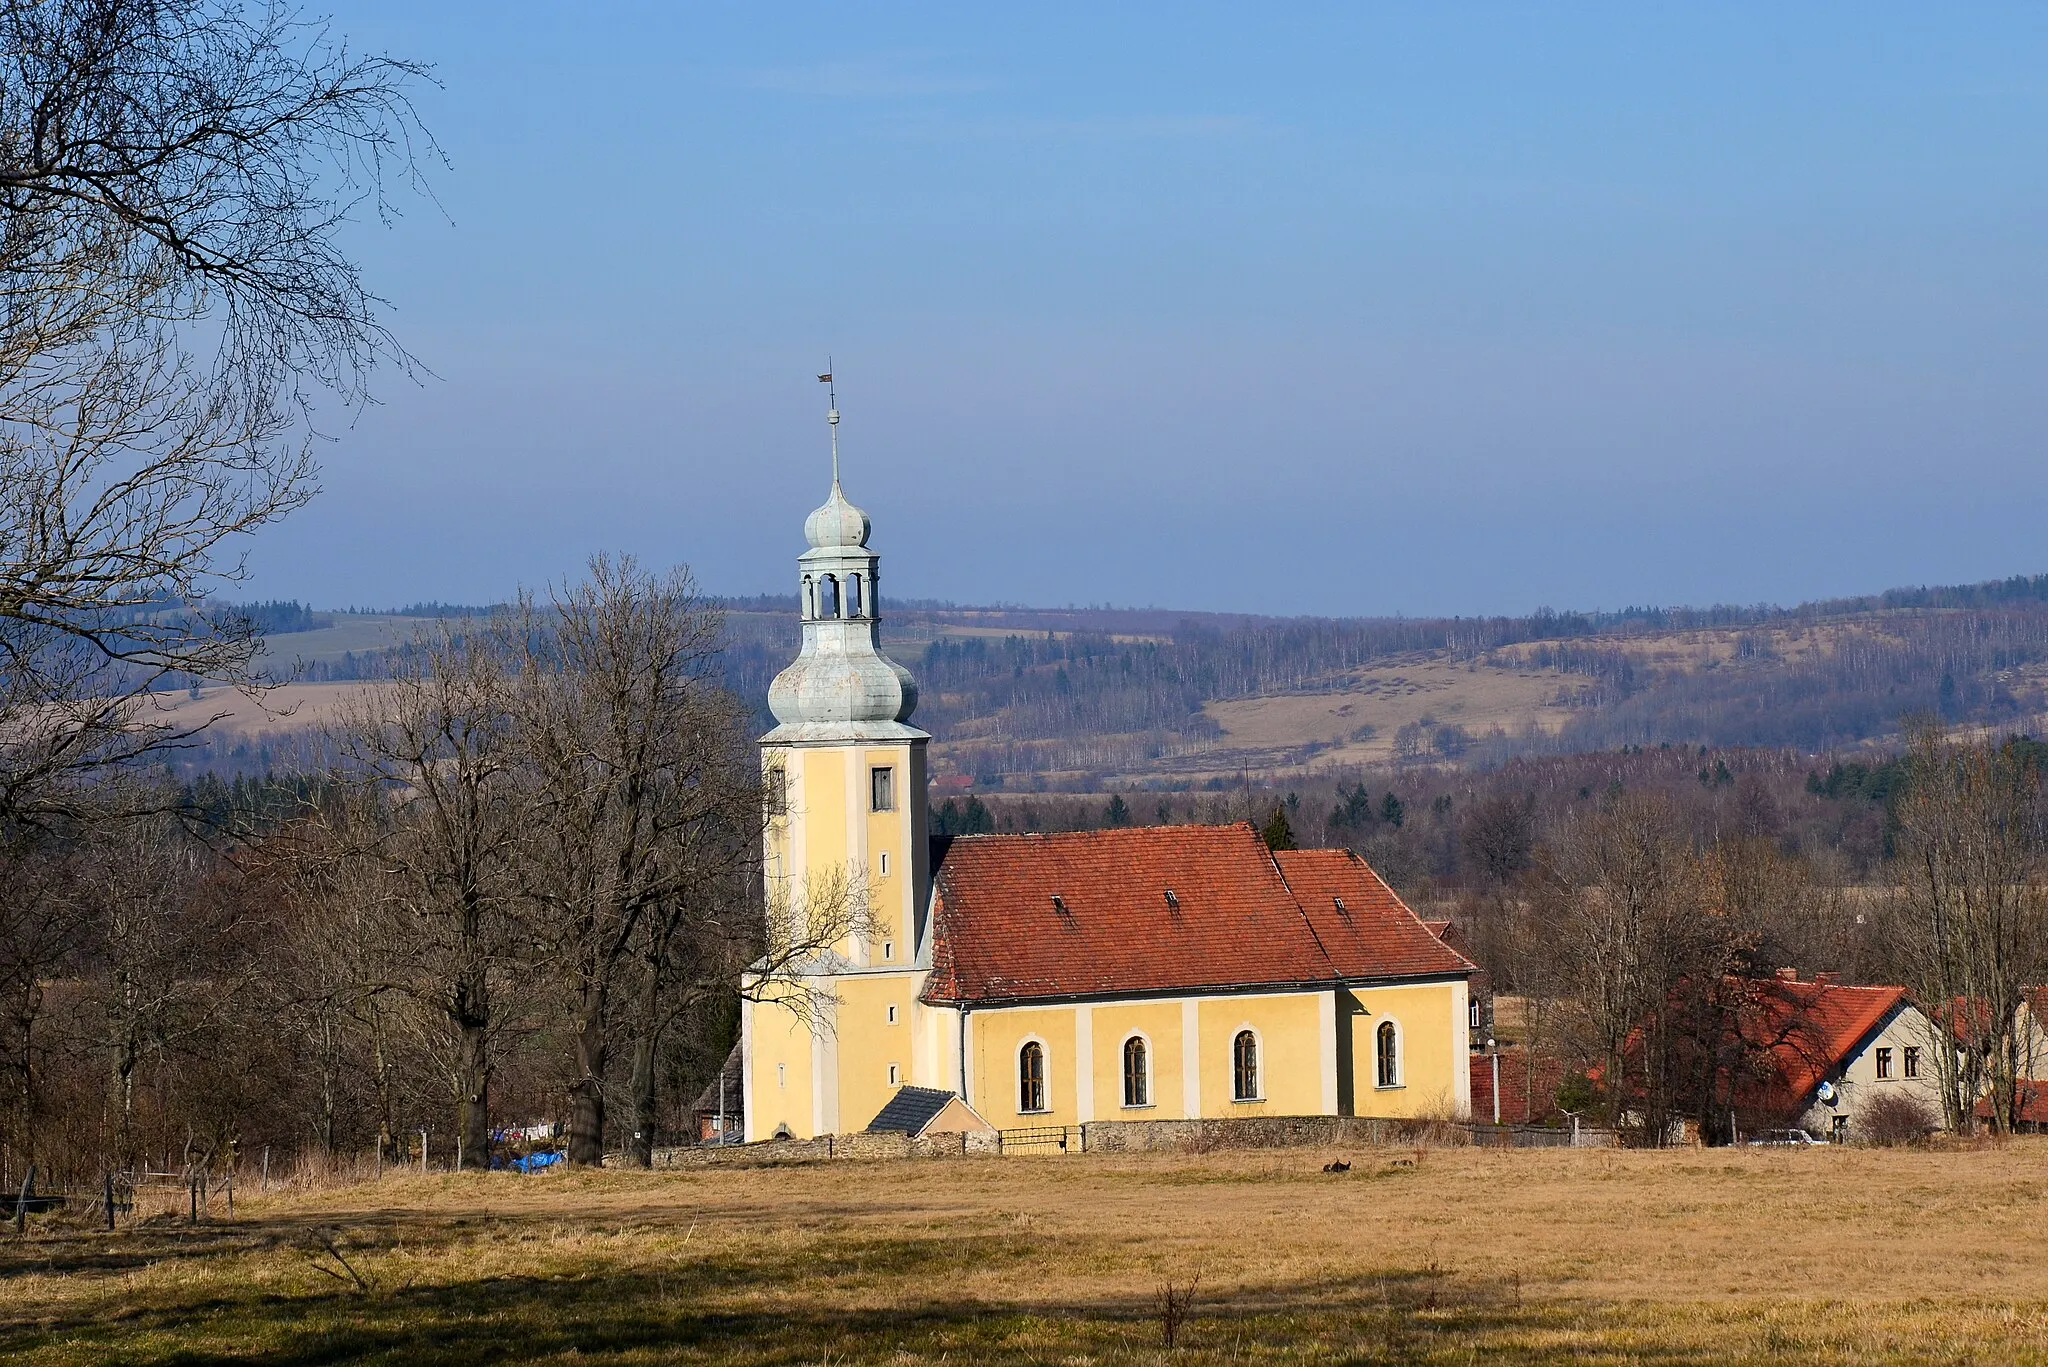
(832, 416)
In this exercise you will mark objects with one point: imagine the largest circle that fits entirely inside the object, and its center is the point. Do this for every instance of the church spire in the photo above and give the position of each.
(841, 685)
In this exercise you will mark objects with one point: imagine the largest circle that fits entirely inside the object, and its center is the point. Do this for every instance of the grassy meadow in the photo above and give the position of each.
(1446, 1256)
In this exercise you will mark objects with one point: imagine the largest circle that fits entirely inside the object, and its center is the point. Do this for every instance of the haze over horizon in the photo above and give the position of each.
(1419, 312)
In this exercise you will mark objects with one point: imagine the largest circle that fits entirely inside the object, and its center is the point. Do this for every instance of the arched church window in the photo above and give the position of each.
(1031, 1077)
(828, 597)
(1387, 1055)
(1244, 1067)
(853, 595)
(1137, 1080)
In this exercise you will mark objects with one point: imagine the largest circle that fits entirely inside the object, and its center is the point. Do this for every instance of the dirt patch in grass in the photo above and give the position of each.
(1544, 1256)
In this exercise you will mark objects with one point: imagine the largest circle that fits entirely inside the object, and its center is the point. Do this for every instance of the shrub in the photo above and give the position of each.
(1893, 1119)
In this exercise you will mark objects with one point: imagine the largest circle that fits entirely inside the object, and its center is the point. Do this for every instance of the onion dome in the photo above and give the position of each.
(837, 524)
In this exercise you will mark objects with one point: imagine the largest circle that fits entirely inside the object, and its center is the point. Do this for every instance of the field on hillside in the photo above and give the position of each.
(1473, 696)
(283, 710)
(1439, 1256)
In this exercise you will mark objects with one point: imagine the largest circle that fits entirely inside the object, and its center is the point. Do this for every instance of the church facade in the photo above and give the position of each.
(1154, 972)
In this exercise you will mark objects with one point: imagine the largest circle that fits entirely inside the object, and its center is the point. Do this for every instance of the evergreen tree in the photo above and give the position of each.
(1118, 813)
(1278, 832)
(1391, 811)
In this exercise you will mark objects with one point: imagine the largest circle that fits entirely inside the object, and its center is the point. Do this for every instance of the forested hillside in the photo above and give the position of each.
(1080, 696)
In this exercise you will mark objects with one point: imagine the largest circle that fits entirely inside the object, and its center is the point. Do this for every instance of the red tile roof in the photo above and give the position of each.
(1374, 935)
(1233, 921)
(2031, 1110)
(1808, 1032)
(1795, 1035)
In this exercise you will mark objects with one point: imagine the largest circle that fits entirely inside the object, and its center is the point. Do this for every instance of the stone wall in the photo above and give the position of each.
(1142, 1136)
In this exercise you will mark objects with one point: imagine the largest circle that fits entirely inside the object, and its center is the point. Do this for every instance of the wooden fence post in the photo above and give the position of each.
(110, 1199)
(266, 1170)
(192, 1191)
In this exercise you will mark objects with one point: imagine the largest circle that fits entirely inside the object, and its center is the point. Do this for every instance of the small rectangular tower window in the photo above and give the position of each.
(895, 1075)
(882, 788)
(892, 1014)
(885, 863)
(888, 949)
(778, 791)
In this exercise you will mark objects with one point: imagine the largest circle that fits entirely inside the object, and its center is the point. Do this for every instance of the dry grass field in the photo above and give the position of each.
(1477, 698)
(1446, 1256)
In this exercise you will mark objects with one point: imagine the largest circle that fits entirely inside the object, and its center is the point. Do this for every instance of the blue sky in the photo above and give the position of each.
(1346, 309)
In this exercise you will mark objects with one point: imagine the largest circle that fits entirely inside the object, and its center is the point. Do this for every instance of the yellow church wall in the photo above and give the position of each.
(1289, 1031)
(1433, 1049)
(868, 1042)
(778, 1062)
(889, 833)
(818, 803)
(1160, 1023)
(994, 1041)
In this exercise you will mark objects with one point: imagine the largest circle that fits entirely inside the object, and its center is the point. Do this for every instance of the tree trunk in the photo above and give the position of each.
(586, 1094)
(473, 1105)
(640, 1148)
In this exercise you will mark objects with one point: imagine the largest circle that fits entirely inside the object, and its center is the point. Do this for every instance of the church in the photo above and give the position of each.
(1147, 973)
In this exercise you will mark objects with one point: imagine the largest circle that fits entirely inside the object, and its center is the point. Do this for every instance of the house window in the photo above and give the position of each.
(1031, 1077)
(1839, 1133)
(892, 1015)
(882, 789)
(1912, 1061)
(895, 1075)
(1884, 1063)
(1244, 1067)
(1137, 1083)
(1387, 1055)
(1472, 1012)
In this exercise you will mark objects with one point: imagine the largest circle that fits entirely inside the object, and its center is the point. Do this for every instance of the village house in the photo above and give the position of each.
(1051, 980)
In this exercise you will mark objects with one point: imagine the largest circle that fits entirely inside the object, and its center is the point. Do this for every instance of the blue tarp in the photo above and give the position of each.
(532, 1163)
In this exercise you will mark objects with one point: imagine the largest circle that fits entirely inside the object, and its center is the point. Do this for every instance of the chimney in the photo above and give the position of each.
(1788, 975)
(1827, 979)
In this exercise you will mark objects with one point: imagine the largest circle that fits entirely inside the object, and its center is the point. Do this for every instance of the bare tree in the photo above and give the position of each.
(1970, 915)
(1645, 947)
(441, 816)
(629, 743)
(175, 176)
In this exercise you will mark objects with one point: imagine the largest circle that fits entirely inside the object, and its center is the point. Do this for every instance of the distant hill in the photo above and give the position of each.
(1026, 697)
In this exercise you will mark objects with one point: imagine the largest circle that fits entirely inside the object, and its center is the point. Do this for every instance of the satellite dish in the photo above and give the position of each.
(1827, 1093)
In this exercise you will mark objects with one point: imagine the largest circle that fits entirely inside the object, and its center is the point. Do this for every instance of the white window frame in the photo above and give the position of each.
(1400, 1056)
(1151, 1101)
(1044, 1082)
(1258, 1065)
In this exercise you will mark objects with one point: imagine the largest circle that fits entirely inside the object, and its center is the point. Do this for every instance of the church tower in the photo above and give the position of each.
(848, 815)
